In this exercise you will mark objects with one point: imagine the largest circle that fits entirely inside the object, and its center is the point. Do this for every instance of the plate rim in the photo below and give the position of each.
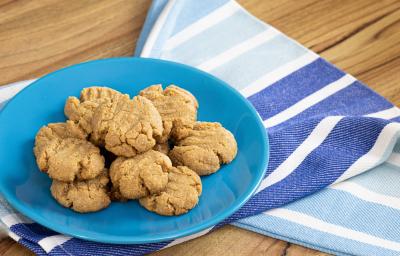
(114, 239)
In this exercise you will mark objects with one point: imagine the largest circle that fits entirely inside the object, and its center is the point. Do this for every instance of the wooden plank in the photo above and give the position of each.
(37, 37)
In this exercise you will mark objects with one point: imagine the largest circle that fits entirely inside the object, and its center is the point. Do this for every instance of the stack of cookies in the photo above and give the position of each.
(150, 148)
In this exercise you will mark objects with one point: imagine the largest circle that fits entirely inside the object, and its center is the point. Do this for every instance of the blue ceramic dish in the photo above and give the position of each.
(27, 189)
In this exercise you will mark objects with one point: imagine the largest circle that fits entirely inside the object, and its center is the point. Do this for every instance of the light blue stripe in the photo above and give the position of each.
(370, 218)
(181, 14)
(247, 68)
(299, 234)
(194, 10)
(166, 29)
(215, 40)
(343, 103)
(154, 11)
(384, 179)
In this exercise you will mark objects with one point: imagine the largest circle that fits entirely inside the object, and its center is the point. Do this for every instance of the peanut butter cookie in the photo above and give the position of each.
(162, 147)
(127, 127)
(62, 151)
(139, 176)
(204, 147)
(181, 194)
(82, 196)
(81, 110)
(177, 107)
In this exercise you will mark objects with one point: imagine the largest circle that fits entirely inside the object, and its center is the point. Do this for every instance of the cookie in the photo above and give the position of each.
(181, 194)
(116, 196)
(162, 147)
(99, 94)
(82, 196)
(204, 147)
(202, 161)
(139, 176)
(81, 110)
(177, 107)
(62, 151)
(127, 127)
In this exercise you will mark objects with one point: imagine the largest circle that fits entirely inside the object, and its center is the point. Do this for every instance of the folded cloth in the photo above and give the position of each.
(333, 177)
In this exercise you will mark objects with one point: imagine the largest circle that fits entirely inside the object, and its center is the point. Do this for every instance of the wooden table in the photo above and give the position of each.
(360, 36)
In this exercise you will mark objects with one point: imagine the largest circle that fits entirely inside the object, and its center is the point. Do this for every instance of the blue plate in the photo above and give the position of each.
(27, 189)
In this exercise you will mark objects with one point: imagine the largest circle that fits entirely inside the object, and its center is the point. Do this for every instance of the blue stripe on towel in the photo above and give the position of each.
(204, 46)
(363, 221)
(309, 237)
(256, 62)
(33, 231)
(300, 84)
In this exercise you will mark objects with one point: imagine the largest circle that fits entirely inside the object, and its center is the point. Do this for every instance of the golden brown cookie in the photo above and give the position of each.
(177, 107)
(181, 194)
(139, 176)
(127, 127)
(202, 161)
(82, 196)
(162, 147)
(81, 110)
(204, 147)
(98, 94)
(62, 151)
(116, 195)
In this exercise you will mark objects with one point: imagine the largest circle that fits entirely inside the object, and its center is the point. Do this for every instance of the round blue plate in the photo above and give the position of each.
(27, 189)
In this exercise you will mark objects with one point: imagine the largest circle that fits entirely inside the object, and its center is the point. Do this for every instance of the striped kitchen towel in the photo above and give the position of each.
(334, 172)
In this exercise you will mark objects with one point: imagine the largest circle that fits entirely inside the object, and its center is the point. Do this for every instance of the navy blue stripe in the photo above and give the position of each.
(351, 138)
(34, 247)
(397, 119)
(284, 141)
(33, 231)
(294, 87)
(354, 100)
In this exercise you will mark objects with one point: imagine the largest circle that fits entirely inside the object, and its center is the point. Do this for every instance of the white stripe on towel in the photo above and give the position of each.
(394, 159)
(375, 155)
(8, 92)
(14, 218)
(155, 31)
(201, 25)
(238, 49)
(368, 195)
(279, 73)
(14, 236)
(323, 226)
(314, 140)
(387, 113)
(50, 242)
(310, 101)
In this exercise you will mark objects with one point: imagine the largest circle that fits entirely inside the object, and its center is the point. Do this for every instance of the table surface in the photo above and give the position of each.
(361, 37)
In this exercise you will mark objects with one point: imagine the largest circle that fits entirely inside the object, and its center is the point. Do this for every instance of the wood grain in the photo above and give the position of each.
(360, 36)
(37, 37)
